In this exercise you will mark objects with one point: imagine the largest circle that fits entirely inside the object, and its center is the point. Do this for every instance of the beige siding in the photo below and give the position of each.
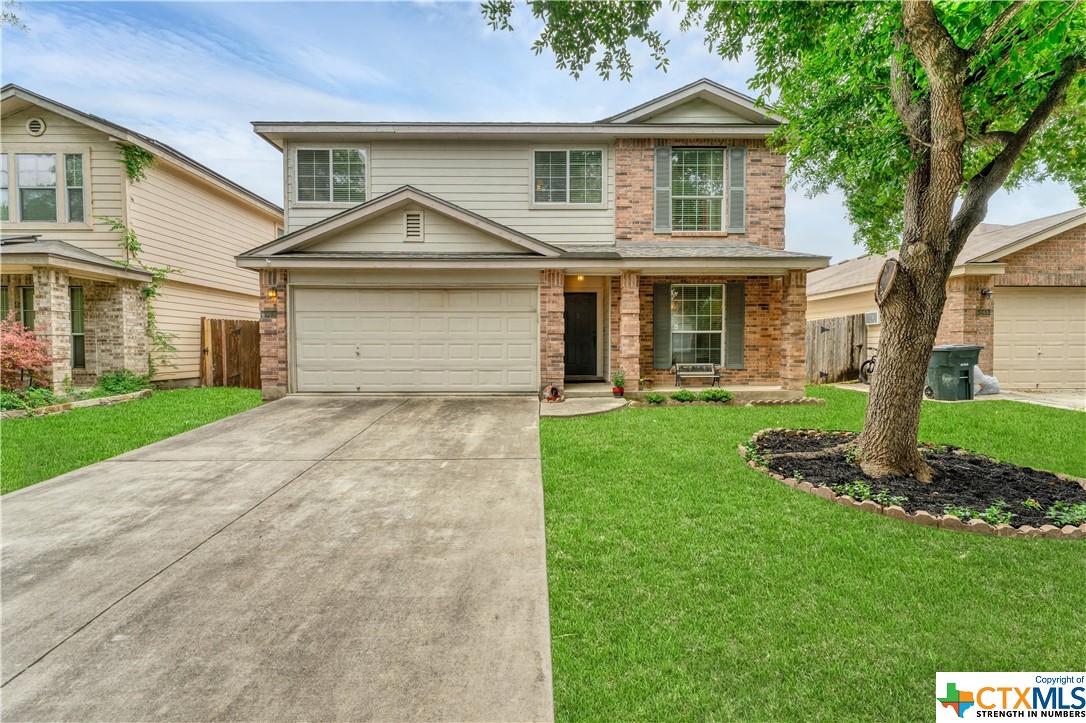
(860, 302)
(442, 234)
(490, 178)
(101, 169)
(178, 312)
(696, 111)
(184, 223)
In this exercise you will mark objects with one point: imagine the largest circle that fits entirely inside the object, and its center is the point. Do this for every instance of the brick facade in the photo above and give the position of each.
(793, 350)
(634, 186)
(552, 328)
(1058, 261)
(630, 344)
(274, 372)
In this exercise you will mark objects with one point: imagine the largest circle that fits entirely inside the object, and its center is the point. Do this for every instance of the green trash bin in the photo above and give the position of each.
(950, 372)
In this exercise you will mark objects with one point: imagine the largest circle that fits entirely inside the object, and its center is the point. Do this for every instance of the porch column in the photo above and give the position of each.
(132, 322)
(273, 334)
(793, 358)
(629, 328)
(552, 328)
(53, 321)
(115, 321)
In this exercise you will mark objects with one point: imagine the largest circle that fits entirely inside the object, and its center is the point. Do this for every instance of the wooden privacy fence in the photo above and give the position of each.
(229, 353)
(835, 348)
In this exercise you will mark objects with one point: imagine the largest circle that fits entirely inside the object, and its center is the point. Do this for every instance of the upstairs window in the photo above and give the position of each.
(42, 191)
(73, 183)
(573, 177)
(36, 176)
(4, 210)
(697, 189)
(331, 175)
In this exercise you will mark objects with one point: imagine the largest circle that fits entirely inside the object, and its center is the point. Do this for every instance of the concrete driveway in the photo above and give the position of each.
(317, 558)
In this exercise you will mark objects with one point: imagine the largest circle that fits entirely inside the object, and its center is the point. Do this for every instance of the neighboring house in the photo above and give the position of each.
(1019, 290)
(61, 171)
(506, 257)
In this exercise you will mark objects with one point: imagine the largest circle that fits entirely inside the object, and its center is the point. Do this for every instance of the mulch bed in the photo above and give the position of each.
(961, 478)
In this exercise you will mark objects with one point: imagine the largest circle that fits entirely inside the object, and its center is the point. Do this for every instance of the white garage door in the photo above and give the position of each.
(415, 340)
(1040, 337)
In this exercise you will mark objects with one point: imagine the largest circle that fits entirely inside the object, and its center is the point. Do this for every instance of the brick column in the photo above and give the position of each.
(53, 321)
(132, 323)
(967, 316)
(552, 328)
(273, 334)
(115, 319)
(793, 357)
(629, 328)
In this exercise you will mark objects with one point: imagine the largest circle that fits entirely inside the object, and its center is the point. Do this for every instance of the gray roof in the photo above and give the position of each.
(986, 240)
(707, 250)
(14, 249)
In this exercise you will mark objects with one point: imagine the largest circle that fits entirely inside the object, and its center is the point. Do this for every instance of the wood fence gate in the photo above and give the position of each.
(835, 348)
(229, 353)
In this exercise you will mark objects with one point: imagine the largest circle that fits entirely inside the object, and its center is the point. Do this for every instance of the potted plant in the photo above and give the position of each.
(618, 383)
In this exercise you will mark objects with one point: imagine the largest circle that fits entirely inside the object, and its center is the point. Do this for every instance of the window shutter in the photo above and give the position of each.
(662, 223)
(734, 323)
(737, 189)
(661, 326)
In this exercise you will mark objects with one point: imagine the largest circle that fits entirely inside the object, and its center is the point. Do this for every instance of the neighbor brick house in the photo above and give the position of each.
(1018, 290)
(61, 178)
(507, 257)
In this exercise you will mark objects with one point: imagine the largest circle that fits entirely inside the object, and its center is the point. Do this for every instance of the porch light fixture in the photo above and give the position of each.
(272, 294)
(986, 293)
(580, 278)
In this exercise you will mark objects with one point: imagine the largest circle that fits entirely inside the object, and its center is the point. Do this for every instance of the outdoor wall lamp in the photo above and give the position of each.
(273, 294)
(986, 293)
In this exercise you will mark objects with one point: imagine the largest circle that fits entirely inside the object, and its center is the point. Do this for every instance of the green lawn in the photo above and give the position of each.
(38, 448)
(685, 585)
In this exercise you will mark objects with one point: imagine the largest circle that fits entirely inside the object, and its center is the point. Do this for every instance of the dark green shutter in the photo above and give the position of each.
(734, 323)
(737, 189)
(661, 326)
(662, 184)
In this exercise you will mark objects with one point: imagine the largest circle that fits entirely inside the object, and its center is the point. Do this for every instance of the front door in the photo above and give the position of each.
(581, 334)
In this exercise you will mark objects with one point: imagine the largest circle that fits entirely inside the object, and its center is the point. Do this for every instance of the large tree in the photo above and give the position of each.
(919, 111)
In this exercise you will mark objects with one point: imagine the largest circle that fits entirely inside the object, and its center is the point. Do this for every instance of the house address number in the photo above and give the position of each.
(269, 313)
(984, 312)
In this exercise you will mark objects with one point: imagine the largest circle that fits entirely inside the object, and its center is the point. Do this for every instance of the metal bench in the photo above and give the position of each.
(696, 371)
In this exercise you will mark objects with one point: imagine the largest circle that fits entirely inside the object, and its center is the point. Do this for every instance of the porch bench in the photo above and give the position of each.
(696, 371)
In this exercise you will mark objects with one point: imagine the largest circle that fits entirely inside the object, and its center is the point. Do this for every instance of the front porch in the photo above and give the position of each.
(750, 327)
(89, 310)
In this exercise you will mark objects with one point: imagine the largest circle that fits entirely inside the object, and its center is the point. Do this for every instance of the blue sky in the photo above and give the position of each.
(195, 75)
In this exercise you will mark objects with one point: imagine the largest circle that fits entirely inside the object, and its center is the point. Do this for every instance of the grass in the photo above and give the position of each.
(39, 448)
(685, 585)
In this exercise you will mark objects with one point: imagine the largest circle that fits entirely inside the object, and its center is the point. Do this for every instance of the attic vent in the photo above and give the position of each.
(35, 126)
(412, 226)
(872, 318)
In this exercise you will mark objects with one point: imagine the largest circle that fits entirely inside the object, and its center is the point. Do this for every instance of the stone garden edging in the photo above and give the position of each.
(68, 406)
(922, 517)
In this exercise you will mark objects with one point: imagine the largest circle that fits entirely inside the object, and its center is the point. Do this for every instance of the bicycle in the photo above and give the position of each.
(867, 369)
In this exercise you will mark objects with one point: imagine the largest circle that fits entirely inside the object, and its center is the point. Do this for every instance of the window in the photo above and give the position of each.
(697, 328)
(36, 176)
(697, 189)
(336, 175)
(79, 349)
(4, 203)
(568, 177)
(26, 297)
(4, 308)
(73, 183)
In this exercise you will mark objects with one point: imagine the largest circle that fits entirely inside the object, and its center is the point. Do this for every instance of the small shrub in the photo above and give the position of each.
(1066, 513)
(28, 398)
(858, 490)
(962, 513)
(715, 394)
(797, 475)
(684, 395)
(23, 356)
(997, 514)
(854, 454)
(1032, 504)
(11, 400)
(121, 382)
(884, 498)
(618, 379)
(655, 398)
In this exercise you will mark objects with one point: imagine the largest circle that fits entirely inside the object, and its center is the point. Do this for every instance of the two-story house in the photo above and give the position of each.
(506, 257)
(67, 273)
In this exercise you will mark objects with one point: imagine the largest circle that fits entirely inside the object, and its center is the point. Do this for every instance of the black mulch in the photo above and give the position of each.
(961, 478)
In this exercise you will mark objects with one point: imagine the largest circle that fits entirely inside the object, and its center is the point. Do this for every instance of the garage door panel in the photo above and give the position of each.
(403, 340)
(1040, 337)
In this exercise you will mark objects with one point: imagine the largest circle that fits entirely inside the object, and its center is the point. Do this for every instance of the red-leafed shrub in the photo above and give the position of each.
(24, 357)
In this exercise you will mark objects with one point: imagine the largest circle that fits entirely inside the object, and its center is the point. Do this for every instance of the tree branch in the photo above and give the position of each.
(990, 32)
(994, 138)
(903, 94)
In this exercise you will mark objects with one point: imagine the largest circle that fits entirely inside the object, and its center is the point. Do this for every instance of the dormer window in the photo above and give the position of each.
(330, 175)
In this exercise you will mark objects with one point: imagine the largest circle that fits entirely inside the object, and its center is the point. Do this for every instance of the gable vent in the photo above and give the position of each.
(412, 226)
(35, 126)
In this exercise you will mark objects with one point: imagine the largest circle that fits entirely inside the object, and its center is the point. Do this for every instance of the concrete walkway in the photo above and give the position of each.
(580, 407)
(318, 558)
(1074, 399)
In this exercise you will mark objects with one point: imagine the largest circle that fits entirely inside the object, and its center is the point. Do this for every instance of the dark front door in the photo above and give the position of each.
(581, 335)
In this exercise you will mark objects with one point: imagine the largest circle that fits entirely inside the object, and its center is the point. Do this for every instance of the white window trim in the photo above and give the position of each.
(15, 208)
(292, 174)
(723, 315)
(723, 230)
(543, 205)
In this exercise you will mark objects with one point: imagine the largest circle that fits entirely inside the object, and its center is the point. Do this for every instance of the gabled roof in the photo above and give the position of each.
(704, 89)
(388, 202)
(987, 244)
(16, 98)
